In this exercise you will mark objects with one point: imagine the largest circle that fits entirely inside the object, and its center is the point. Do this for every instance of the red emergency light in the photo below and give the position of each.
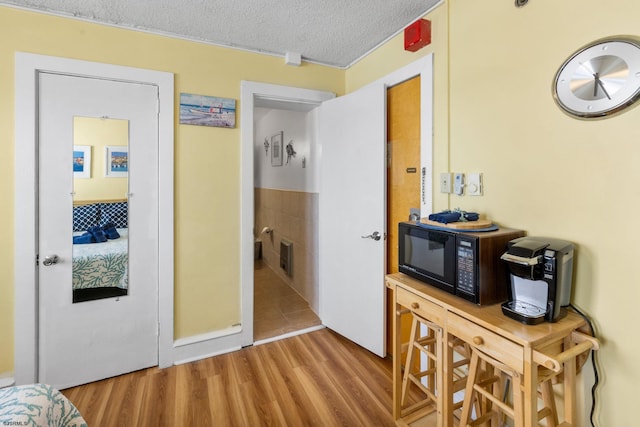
(417, 35)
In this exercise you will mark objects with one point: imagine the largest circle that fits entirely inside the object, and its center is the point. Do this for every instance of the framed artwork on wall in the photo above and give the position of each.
(82, 161)
(203, 110)
(117, 161)
(276, 149)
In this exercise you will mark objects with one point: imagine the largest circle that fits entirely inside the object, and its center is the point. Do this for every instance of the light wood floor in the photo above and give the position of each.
(278, 309)
(314, 379)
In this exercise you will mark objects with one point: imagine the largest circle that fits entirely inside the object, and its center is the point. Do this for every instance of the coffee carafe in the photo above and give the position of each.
(540, 271)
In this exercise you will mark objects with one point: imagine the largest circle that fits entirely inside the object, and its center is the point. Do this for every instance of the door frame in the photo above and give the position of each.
(249, 92)
(27, 68)
(422, 67)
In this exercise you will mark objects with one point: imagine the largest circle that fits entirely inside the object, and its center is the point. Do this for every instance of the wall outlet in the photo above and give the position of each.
(445, 182)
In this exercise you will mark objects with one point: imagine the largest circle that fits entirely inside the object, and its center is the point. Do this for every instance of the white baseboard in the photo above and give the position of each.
(202, 346)
(6, 379)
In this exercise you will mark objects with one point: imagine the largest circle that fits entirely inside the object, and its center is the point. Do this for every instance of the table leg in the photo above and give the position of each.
(397, 356)
(569, 368)
(530, 388)
(445, 417)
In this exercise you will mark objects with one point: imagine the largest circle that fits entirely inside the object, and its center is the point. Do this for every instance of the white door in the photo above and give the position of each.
(86, 341)
(352, 216)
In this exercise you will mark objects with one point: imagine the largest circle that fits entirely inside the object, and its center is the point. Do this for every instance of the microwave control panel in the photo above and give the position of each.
(466, 266)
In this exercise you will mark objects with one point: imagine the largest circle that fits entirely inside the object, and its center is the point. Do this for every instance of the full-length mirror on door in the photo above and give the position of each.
(100, 208)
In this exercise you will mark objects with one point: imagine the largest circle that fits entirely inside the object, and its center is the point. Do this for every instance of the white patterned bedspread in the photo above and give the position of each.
(99, 265)
(37, 405)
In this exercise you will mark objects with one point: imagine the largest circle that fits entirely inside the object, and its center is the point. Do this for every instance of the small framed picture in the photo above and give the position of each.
(82, 161)
(203, 110)
(276, 149)
(117, 161)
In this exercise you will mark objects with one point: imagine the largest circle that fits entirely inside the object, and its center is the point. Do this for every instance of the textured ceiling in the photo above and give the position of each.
(330, 32)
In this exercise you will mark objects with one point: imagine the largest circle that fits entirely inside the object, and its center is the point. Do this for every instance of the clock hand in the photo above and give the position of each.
(597, 83)
(603, 89)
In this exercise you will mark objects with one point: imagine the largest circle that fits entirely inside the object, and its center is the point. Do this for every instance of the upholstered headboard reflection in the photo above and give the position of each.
(90, 213)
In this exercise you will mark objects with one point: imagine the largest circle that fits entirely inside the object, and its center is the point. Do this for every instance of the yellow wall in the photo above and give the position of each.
(543, 171)
(546, 172)
(207, 175)
(98, 134)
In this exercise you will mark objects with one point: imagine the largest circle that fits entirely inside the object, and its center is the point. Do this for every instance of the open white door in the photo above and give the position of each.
(352, 216)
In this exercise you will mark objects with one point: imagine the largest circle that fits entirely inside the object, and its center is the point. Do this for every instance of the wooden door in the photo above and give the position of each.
(403, 172)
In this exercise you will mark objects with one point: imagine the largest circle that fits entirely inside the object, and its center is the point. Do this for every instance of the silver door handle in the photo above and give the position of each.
(50, 260)
(375, 236)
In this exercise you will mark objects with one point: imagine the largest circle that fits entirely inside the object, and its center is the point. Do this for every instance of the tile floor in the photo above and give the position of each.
(278, 309)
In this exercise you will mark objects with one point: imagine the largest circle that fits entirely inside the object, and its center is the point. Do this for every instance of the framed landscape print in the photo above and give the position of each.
(82, 161)
(117, 161)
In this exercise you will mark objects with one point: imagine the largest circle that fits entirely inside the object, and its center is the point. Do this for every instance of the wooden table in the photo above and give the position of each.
(522, 347)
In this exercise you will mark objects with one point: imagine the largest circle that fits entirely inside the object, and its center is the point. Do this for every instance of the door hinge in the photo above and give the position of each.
(37, 260)
(423, 182)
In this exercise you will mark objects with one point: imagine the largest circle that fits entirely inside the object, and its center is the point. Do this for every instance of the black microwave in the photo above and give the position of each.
(466, 264)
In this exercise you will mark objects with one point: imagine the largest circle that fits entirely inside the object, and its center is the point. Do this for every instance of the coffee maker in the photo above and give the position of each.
(540, 278)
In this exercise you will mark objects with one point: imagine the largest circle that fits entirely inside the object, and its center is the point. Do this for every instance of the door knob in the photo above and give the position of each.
(50, 260)
(375, 236)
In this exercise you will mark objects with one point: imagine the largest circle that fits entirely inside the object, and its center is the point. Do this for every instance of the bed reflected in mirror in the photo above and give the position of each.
(100, 208)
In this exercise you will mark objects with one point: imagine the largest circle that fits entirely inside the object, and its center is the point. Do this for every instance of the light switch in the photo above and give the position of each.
(474, 184)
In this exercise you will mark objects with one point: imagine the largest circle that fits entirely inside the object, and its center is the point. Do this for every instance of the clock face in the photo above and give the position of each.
(600, 79)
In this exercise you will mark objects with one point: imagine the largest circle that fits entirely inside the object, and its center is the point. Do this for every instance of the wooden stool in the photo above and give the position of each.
(462, 357)
(486, 389)
(551, 365)
(488, 384)
(428, 381)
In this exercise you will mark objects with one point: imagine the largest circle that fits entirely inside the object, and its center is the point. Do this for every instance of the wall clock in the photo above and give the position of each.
(600, 79)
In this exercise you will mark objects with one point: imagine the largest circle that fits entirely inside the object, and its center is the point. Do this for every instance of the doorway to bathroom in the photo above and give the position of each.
(286, 205)
(285, 220)
(362, 107)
